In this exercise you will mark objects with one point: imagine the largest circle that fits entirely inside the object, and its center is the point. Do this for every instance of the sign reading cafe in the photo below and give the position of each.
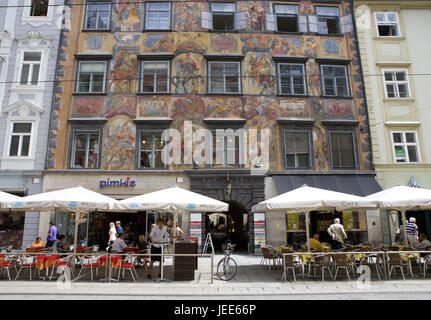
(117, 183)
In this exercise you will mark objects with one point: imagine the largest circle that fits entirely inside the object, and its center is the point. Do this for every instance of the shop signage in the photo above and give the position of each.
(196, 227)
(117, 183)
(259, 232)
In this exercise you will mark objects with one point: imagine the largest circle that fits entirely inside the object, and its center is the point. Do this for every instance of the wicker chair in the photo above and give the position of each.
(268, 256)
(324, 263)
(341, 262)
(395, 261)
(292, 264)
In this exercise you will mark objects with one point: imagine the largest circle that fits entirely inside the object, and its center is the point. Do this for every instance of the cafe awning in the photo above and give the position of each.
(357, 184)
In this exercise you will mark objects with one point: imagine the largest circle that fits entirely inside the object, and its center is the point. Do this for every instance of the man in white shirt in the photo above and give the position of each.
(158, 235)
(336, 231)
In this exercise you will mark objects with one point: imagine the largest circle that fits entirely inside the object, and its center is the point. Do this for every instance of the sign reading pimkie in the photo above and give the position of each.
(117, 183)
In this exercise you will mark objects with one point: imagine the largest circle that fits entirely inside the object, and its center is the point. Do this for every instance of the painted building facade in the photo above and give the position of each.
(29, 40)
(397, 75)
(139, 68)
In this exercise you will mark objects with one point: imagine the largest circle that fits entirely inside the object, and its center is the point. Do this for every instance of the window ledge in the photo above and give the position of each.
(224, 94)
(96, 30)
(153, 93)
(293, 95)
(337, 97)
(90, 93)
(224, 31)
(157, 30)
(288, 33)
(346, 122)
(70, 168)
(398, 99)
(389, 38)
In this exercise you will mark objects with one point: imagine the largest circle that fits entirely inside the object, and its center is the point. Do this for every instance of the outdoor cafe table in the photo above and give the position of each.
(45, 262)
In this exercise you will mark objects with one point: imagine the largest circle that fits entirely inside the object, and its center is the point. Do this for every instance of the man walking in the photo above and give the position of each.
(52, 235)
(118, 227)
(336, 231)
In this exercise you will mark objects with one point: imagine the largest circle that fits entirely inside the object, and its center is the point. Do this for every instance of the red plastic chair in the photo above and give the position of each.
(7, 264)
(128, 264)
(88, 263)
(65, 262)
(26, 262)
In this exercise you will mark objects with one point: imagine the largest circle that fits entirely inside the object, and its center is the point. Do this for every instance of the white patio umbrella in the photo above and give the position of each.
(77, 200)
(6, 197)
(403, 198)
(306, 199)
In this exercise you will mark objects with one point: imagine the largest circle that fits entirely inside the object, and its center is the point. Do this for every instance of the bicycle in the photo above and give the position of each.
(227, 268)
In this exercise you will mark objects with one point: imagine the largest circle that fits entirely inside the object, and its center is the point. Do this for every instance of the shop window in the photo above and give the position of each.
(297, 148)
(328, 20)
(291, 77)
(354, 220)
(334, 81)
(295, 221)
(97, 15)
(85, 149)
(158, 16)
(387, 24)
(39, 8)
(20, 138)
(396, 84)
(11, 229)
(226, 148)
(30, 68)
(150, 150)
(91, 77)
(405, 147)
(155, 76)
(287, 18)
(342, 150)
(224, 77)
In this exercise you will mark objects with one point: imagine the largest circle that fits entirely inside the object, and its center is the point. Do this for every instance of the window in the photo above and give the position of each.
(335, 82)
(287, 18)
(158, 16)
(342, 150)
(39, 8)
(387, 24)
(30, 68)
(85, 149)
(291, 78)
(297, 148)
(396, 84)
(224, 77)
(150, 150)
(327, 20)
(223, 16)
(97, 15)
(20, 139)
(226, 148)
(406, 147)
(91, 76)
(155, 76)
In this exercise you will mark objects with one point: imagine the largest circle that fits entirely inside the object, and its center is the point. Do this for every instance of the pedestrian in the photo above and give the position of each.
(119, 227)
(112, 234)
(412, 232)
(52, 235)
(158, 235)
(336, 231)
(119, 244)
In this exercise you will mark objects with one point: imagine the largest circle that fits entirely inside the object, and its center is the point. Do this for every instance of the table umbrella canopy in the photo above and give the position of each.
(403, 198)
(71, 200)
(6, 197)
(172, 199)
(306, 198)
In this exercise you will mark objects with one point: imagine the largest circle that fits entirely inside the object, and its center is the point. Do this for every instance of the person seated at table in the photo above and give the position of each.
(119, 244)
(142, 243)
(178, 233)
(62, 245)
(315, 243)
(158, 235)
(424, 243)
(38, 243)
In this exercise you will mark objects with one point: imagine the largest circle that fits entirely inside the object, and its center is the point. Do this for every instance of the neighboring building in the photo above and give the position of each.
(29, 37)
(395, 58)
(291, 67)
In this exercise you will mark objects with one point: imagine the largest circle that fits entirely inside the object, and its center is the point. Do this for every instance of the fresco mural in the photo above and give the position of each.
(259, 74)
(320, 148)
(89, 106)
(313, 77)
(295, 108)
(256, 15)
(188, 76)
(223, 107)
(155, 106)
(188, 16)
(123, 73)
(306, 7)
(160, 43)
(222, 43)
(121, 105)
(128, 16)
(335, 109)
(119, 144)
(94, 43)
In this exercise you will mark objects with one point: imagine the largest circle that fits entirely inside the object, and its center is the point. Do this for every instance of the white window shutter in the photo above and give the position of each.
(241, 20)
(312, 24)
(271, 24)
(303, 24)
(206, 20)
(346, 24)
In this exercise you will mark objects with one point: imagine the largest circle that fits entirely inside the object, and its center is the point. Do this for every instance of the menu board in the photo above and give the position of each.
(259, 232)
(196, 227)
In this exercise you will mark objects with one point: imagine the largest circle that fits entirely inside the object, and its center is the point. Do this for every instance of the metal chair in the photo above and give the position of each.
(8, 263)
(341, 262)
(291, 263)
(128, 264)
(395, 261)
(26, 262)
(88, 263)
(268, 256)
(65, 262)
(324, 263)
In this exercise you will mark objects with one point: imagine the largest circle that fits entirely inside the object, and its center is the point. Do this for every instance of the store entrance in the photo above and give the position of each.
(232, 225)
(423, 221)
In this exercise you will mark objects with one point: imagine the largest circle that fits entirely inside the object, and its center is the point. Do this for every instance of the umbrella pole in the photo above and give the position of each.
(307, 229)
(403, 216)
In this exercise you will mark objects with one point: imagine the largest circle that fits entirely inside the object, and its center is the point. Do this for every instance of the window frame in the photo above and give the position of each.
(147, 3)
(210, 91)
(337, 18)
(221, 13)
(105, 76)
(30, 73)
(108, 2)
(405, 144)
(286, 15)
(72, 146)
(153, 132)
(141, 72)
(304, 78)
(354, 145)
(386, 23)
(349, 93)
(310, 144)
(11, 134)
(395, 82)
(31, 9)
(238, 134)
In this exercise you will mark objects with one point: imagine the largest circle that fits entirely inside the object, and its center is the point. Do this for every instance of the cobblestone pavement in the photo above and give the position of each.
(253, 281)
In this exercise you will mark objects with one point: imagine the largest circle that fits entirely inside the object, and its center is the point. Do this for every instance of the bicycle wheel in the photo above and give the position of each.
(226, 269)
